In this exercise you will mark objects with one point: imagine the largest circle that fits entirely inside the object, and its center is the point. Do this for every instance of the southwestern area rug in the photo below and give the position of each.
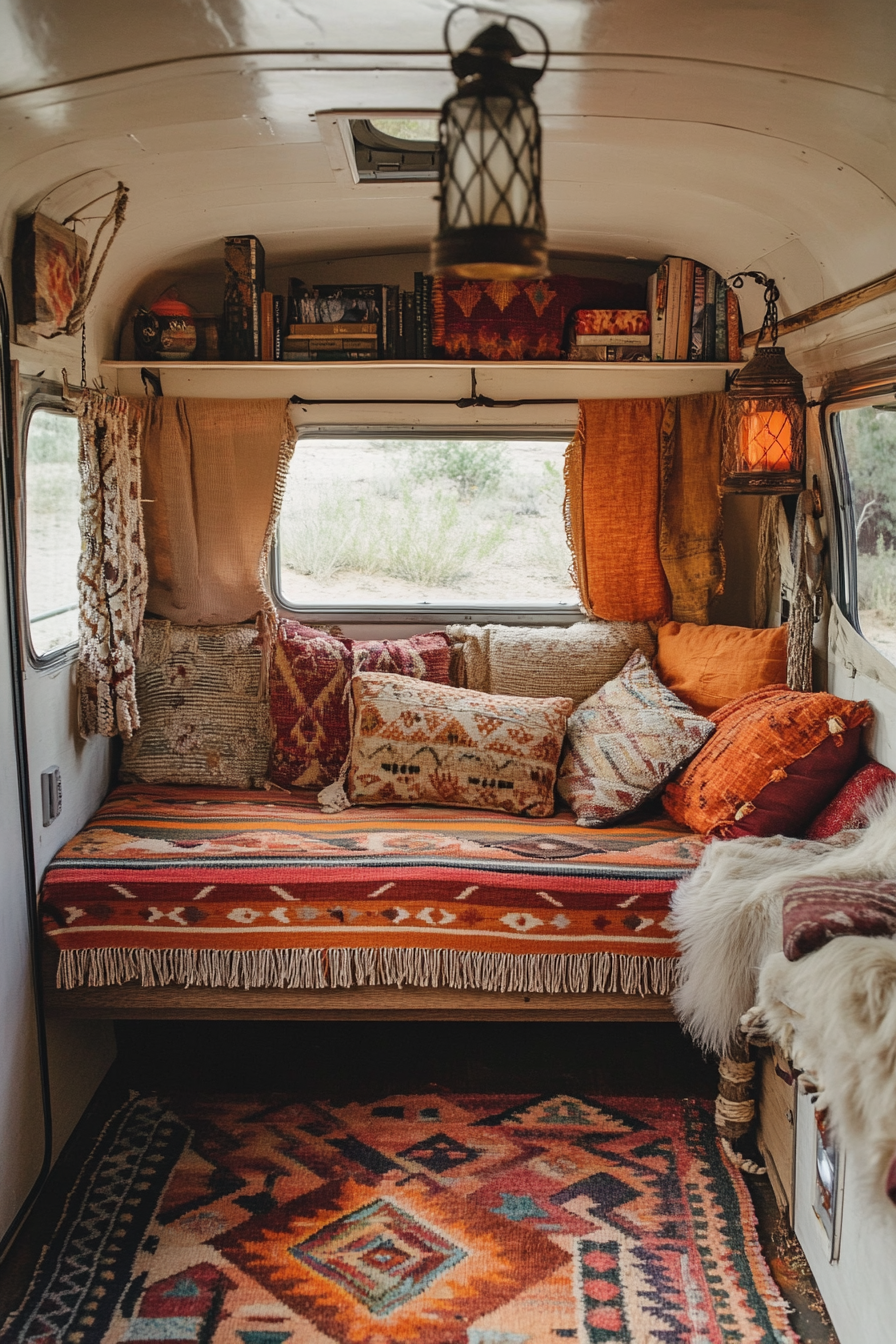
(430, 1219)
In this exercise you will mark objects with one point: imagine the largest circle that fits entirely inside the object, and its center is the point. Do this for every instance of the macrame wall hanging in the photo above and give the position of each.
(791, 568)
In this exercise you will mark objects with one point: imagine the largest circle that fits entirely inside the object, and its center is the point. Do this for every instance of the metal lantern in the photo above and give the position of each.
(491, 221)
(765, 419)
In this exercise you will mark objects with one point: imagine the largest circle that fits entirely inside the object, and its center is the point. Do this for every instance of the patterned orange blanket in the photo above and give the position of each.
(253, 890)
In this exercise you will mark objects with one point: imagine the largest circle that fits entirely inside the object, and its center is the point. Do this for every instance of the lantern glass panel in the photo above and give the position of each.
(767, 441)
(492, 153)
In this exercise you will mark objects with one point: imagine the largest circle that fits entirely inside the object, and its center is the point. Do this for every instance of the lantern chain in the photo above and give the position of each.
(772, 295)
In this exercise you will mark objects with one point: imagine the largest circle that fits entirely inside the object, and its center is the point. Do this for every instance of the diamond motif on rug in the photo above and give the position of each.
(380, 1254)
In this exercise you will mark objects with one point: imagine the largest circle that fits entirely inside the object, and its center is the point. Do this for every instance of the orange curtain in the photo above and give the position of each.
(612, 509)
(643, 511)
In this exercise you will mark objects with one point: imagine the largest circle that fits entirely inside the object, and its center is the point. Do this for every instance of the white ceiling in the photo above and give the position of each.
(741, 132)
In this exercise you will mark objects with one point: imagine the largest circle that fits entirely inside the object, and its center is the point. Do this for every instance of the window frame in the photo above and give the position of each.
(421, 613)
(45, 399)
(844, 555)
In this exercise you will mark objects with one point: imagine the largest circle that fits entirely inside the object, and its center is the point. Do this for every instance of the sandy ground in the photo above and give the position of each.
(529, 567)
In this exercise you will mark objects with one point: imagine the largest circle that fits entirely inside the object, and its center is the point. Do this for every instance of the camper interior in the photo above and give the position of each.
(448, 688)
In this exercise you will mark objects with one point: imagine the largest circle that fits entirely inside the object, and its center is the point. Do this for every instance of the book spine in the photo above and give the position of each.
(278, 315)
(418, 313)
(243, 285)
(721, 346)
(656, 299)
(267, 326)
(601, 354)
(686, 309)
(612, 338)
(698, 312)
(709, 316)
(324, 356)
(400, 347)
(672, 303)
(733, 327)
(392, 322)
(426, 319)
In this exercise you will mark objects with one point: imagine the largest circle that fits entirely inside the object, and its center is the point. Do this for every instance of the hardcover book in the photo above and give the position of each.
(243, 285)
(312, 304)
(612, 322)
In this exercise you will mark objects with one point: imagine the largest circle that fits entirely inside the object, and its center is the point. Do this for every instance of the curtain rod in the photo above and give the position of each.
(475, 398)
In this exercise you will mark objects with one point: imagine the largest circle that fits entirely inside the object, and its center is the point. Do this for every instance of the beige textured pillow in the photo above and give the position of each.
(201, 718)
(573, 660)
(419, 742)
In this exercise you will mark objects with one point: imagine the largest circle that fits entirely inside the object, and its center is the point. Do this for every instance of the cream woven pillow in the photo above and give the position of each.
(624, 743)
(202, 718)
(419, 742)
(573, 660)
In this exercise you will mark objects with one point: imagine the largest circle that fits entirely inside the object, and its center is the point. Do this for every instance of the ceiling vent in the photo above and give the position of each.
(382, 147)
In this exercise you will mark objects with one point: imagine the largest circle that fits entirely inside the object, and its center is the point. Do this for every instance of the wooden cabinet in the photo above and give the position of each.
(776, 1100)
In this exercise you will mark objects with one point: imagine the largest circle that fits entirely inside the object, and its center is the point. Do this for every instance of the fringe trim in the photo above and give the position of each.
(344, 968)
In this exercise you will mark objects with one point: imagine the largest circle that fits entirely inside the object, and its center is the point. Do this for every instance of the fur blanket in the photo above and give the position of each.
(834, 1014)
(728, 914)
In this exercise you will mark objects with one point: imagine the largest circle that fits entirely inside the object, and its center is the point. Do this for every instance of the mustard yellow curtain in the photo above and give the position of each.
(643, 509)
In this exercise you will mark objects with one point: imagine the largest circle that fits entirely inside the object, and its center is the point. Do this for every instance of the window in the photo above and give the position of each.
(868, 438)
(52, 532)
(404, 525)
(390, 149)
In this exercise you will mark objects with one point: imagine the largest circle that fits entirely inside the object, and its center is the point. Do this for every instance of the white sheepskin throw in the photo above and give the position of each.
(728, 914)
(834, 1014)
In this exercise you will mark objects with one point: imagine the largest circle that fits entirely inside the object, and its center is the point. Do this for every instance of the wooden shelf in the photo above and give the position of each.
(431, 379)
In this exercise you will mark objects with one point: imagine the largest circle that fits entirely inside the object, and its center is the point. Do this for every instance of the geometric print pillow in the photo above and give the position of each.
(625, 742)
(415, 742)
(310, 674)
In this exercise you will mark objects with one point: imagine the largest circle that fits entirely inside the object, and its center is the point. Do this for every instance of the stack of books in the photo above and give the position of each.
(693, 313)
(608, 334)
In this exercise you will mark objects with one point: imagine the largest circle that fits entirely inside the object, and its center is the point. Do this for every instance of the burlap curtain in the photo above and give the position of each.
(112, 571)
(213, 473)
(643, 509)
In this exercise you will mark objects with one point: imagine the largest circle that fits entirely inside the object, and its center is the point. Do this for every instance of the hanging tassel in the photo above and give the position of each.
(801, 621)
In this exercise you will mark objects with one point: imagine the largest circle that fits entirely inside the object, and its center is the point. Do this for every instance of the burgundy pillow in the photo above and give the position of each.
(818, 909)
(310, 674)
(786, 806)
(847, 811)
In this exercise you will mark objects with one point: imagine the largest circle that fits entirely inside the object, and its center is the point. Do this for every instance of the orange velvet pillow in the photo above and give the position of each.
(756, 746)
(708, 666)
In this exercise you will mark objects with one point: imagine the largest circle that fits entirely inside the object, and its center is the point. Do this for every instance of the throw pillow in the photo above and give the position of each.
(416, 742)
(625, 742)
(848, 810)
(803, 741)
(818, 909)
(203, 719)
(570, 661)
(708, 666)
(310, 674)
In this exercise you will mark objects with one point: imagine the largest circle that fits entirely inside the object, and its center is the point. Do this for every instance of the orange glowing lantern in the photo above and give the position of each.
(765, 422)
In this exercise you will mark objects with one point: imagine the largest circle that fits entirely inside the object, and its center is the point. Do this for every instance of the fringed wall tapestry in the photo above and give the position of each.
(214, 475)
(112, 571)
(643, 511)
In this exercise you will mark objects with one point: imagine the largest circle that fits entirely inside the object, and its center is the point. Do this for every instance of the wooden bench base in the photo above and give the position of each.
(386, 1002)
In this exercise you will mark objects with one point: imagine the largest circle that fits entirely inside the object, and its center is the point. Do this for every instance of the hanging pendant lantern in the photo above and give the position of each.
(765, 418)
(491, 221)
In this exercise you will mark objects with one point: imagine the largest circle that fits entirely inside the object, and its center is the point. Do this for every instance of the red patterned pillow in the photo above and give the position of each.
(310, 673)
(847, 811)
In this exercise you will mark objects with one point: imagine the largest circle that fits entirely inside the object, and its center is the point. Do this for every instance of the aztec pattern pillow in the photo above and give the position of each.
(310, 674)
(818, 909)
(708, 666)
(203, 718)
(625, 742)
(572, 661)
(848, 810)
(776, 757)
(415, 742)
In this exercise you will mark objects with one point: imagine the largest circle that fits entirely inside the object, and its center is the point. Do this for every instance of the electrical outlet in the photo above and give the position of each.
(51, 794)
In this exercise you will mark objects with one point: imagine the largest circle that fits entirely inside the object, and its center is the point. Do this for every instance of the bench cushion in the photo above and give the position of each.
(245, 889)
